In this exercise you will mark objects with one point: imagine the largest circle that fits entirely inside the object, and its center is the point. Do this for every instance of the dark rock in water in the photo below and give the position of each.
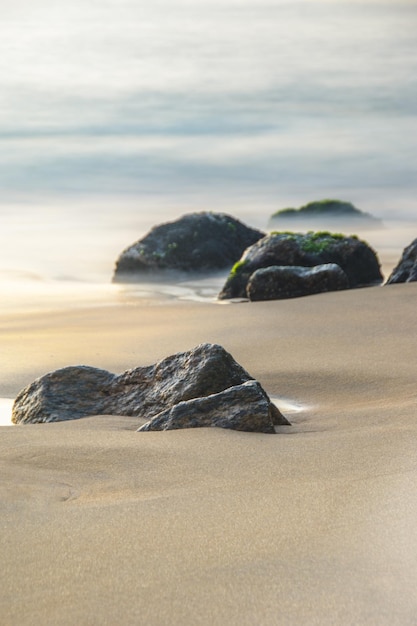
(335, 210)
(279, 282)
(406, 270)
(78, 391)
(356, 258)
(242, 407)
(194, 243)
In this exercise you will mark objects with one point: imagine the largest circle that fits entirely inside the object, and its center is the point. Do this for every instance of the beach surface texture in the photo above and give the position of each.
(105, 525)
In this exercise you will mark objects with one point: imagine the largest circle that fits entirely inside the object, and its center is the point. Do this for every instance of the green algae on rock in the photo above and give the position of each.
(327, 209)
(355, 257)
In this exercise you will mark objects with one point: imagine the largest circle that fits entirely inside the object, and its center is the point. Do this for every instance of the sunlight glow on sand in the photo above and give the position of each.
(287, 405)
(6, 405)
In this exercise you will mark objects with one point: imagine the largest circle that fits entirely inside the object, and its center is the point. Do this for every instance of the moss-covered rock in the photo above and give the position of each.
(195, 242)
(355, 257)
(328, 209)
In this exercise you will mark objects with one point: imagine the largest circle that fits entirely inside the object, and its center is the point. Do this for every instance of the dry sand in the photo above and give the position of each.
(316, 525)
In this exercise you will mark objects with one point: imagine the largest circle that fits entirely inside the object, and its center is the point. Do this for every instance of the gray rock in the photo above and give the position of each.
(194, 243)
(336, 212)
(143, 392)
(242, 407)
(406, 270)
(279, 282)
(355, 257)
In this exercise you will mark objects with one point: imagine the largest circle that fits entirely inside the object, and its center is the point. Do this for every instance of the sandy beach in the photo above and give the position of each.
(316, 525)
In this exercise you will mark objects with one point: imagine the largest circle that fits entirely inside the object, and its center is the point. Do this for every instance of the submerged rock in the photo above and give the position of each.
(406, 270)
(196, 242)
(334, 210)
(355, 257)
(279, 282)
(143, 392)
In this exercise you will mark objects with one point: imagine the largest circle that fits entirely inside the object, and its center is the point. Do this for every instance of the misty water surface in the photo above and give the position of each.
(116, 115)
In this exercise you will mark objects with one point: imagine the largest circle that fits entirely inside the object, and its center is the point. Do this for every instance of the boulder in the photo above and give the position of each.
(355, 257)
(327, 211)
(194, 243)
(242, 407)
(406, 270)
(143, 392)
(278, 282)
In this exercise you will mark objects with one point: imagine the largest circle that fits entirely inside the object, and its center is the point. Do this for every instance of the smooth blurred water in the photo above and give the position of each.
(116, 115)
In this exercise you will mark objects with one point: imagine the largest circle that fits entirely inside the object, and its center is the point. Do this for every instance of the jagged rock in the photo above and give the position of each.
(78, 391)
(242, 407)
(355, 257)
(406, 270)
(279, 282)
(327, 212)
(196, 242)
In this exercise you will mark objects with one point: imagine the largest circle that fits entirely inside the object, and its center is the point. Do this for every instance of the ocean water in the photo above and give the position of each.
(120, 114)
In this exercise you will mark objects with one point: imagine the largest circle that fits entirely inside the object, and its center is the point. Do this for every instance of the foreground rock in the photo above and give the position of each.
(194, 243)
(406, 270)
(327, 210)
(357, 260)
(242, 407)
(279, 282)
(144, 392)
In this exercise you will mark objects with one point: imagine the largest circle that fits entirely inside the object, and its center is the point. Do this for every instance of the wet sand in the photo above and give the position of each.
(316, 525)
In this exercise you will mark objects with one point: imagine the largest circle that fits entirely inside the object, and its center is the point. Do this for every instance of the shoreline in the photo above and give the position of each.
(28, 290)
